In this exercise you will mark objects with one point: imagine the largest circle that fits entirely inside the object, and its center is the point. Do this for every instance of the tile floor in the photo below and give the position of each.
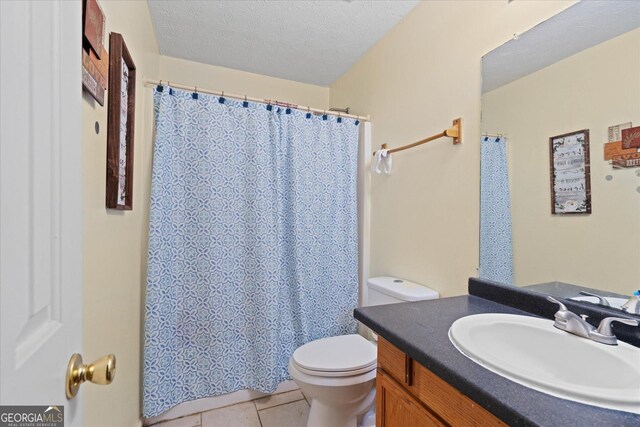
(289, 409)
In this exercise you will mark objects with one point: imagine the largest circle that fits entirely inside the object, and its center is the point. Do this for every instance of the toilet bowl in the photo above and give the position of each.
(338, 375)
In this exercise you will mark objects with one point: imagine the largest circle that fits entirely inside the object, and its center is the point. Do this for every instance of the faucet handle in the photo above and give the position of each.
(605, 335)
(601, 300)
(562, 315)
(562, 306)
(605, 324)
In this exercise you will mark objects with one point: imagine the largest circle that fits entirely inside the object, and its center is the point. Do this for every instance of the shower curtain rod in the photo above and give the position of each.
(454, 132)
(224, 94)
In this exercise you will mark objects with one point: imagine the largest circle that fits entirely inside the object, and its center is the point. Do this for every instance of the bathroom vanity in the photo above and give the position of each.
(423, 380)
(408, 394)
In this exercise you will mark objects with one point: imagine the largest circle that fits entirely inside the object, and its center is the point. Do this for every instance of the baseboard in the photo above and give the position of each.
(209, 403)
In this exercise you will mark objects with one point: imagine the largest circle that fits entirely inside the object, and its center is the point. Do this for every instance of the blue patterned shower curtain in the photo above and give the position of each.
(496, 260)
(253, 246)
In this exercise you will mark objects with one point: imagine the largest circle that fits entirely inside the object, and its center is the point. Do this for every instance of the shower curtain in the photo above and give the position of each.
(253, 245)
(496, 260)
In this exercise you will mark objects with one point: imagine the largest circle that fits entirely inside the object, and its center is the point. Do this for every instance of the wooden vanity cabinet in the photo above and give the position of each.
(410, 395)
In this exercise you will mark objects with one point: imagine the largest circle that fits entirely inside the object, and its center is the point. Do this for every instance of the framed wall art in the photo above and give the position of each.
(570, 173)
(120, 125)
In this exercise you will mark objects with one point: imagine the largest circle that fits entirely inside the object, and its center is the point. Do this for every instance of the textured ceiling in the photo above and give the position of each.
(577, 28)
(307, 41)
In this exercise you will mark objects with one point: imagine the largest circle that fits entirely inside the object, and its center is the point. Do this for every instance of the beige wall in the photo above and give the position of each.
(421, 75)
(593, 90)
(242, 83)
(113, 262)
(414, 81)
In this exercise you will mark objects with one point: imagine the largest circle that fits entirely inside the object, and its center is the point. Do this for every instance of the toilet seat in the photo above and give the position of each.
(327, 381)
(340, 356)
(335, 373)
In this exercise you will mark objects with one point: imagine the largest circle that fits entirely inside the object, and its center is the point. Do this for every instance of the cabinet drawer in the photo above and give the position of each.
(393, 361)
(448, 402)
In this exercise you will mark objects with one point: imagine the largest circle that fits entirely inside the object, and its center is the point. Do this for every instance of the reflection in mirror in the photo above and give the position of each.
(579, 70)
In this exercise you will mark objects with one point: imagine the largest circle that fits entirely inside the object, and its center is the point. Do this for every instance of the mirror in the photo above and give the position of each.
(579, 70)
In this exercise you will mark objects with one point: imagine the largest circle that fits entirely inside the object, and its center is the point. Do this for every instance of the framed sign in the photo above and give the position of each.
(94, 24)
(120, 125)
(570, 173)
(95, 59)
(631, 137)
(95, 73)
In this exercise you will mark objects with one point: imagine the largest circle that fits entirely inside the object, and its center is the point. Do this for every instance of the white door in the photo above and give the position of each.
(41, 203)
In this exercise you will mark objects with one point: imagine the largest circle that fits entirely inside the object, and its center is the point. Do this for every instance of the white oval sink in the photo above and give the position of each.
(533, 353)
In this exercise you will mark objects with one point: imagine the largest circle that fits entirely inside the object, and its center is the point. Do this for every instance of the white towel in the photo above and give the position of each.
(382, 162)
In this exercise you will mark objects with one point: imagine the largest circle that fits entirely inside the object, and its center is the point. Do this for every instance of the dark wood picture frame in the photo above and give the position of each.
(570, 173)
(122, 103)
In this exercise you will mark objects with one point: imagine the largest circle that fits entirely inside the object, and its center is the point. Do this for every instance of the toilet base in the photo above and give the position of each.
(369, 417)
(323, 415)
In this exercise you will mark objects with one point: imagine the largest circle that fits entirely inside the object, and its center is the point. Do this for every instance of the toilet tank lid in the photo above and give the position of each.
(402, 289)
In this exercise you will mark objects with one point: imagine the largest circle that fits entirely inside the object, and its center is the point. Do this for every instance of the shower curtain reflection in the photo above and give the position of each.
(496, 259)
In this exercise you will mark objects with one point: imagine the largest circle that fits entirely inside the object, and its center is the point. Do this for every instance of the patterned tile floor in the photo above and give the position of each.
(289, 409)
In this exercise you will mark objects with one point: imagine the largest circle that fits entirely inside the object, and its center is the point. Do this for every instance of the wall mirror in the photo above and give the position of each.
(578, 70)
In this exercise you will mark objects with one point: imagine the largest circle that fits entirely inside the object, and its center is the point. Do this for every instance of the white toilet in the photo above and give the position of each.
(338, 373)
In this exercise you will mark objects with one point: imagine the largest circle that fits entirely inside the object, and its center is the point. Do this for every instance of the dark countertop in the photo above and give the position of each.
(420, 329)
(568, 290)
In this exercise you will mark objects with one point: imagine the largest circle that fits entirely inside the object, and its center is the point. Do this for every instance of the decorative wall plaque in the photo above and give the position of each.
(120, 125)
(94, 25)
(95, 60)
(570, 173)
(631, 138)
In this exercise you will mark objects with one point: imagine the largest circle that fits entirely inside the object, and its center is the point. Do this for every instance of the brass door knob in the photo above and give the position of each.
(101, 371)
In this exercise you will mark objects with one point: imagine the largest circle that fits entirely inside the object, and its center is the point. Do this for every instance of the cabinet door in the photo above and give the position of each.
(397, 408)
(450, 405)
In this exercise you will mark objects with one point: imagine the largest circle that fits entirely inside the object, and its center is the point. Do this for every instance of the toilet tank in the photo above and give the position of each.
(392, 290)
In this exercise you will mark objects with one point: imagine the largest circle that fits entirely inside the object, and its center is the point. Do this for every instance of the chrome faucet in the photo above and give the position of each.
(601, 300)
(633, 304)
(577, 325)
